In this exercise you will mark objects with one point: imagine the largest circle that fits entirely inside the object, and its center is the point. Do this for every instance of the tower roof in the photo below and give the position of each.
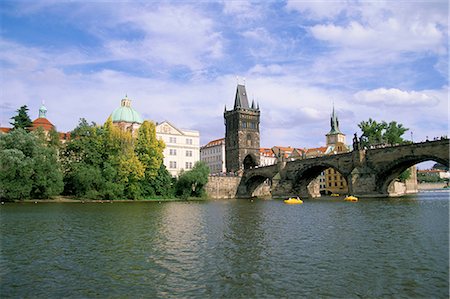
(241, 100)
(125, 113)
(334, 122)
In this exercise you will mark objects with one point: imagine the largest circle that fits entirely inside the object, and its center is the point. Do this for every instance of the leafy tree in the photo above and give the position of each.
(22, 119)
(378, 133)
(393, 132)
(149, 149)
(131, 172)
(405, 175)
(162, 185)
(29, 168)
(192, 182)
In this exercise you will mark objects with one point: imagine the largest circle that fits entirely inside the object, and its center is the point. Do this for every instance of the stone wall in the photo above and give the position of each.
(222, 187)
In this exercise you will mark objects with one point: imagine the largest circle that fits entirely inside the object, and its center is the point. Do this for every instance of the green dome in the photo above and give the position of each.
(125, 113)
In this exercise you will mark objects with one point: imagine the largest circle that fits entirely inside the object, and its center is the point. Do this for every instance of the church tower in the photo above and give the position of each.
(241, 133)
(335, 136)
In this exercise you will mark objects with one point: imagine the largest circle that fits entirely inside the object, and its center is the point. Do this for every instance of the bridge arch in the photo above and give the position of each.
(303, 178)
(249, 161)
(253, 183)
(392, 171)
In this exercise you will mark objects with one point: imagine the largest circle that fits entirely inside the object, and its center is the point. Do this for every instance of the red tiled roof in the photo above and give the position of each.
(43, 123)
(5, 130)
(215, 142)
(322, 149)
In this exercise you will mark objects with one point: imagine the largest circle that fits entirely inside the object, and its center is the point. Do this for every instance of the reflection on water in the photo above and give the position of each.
(228, 249)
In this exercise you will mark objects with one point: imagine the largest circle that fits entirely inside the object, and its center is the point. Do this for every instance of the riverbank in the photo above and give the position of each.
(431, 186)
(70, 199)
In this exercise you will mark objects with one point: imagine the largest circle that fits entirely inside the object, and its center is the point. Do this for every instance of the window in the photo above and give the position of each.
(244, 124)
(172, 164)
(173, 140)
(189, 141)
(173, 152)
(188, 153)
(188, 165)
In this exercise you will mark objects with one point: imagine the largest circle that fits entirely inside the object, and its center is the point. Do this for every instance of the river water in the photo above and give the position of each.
(227, 249)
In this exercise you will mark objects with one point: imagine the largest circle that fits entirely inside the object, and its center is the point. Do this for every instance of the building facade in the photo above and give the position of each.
(241, 133)
(182, 147)
(213, 154)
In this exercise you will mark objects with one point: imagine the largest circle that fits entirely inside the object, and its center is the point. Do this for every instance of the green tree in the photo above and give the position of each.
(29, 168)
(393, 132)
(374, 133)
(162, 185)
(149, 149)
(191, 183)
(22, 119)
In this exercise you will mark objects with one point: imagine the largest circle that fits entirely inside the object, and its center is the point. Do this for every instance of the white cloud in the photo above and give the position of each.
(390, 35)
(318, 10)
(395, 97)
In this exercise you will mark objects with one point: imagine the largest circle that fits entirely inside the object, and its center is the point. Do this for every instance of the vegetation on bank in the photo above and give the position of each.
(98, 163)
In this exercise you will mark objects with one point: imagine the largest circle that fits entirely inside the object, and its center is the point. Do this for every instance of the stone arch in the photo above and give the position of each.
(393, 170)
(303, 178)
(249, 162)
(257, 181)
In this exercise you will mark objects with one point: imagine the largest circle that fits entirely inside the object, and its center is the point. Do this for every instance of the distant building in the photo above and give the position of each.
(213, 154)
(182, 147)
(267, 157)
(241, 133)
(43, 123)
(126, 118)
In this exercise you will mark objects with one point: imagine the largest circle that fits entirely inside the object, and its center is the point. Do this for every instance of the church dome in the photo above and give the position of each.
(125, 113)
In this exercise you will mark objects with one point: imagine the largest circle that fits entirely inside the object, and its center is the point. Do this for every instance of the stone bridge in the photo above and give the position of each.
(368, 172)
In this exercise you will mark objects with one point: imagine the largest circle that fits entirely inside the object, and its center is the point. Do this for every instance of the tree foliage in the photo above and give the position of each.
(22, 119)
(109, 163)
(29, 167)
(375, 133)
(191, 183)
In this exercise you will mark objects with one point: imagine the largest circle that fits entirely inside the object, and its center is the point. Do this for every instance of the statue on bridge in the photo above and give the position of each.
(356, 143)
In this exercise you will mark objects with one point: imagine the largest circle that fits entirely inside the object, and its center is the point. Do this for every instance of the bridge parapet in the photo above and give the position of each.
(368, 171)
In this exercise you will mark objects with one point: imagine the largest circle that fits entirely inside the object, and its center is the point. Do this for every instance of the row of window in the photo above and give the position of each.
(174, 140)
(212, 159)
(173, 165)
(249, 124)
(173, 152)
(213, 150)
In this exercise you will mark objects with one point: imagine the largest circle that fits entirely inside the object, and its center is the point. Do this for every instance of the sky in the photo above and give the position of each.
(180, 61)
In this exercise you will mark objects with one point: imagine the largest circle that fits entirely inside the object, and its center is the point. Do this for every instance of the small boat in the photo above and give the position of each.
(351, 198)
(293, 201)
(335, 194)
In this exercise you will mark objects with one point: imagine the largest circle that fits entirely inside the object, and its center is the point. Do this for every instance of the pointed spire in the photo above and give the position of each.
(257, 106)
(240, 100)
(253, 104)
(334, 123)
(225, 109)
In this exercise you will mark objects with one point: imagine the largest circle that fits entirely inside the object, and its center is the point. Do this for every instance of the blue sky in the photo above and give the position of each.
(179, 61)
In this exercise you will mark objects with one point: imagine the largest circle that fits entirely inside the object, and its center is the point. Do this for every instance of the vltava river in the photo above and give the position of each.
(227, 249)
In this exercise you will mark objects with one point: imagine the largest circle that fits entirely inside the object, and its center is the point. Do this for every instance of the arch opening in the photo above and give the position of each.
(259, 186)
(401, 178)
(249, 162)
(322, 180)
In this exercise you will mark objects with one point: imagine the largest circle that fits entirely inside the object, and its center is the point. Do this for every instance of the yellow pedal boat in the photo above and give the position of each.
(351, 198)
(334, 195)
(293, 201)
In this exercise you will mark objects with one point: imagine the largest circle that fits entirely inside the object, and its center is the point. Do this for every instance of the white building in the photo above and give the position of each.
(182, 147)
(267, 157)
(213, 154)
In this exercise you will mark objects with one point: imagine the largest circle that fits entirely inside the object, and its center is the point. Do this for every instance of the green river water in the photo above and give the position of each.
(324, 248)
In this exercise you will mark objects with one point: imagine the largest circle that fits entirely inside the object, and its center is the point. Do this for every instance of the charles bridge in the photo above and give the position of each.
(368, 172)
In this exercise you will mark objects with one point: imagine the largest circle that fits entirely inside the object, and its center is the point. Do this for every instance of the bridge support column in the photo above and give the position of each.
(362, 182)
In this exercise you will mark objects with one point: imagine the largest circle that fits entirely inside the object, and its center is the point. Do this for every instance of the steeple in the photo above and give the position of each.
(240, 100)
(334, 123)
(42, 111)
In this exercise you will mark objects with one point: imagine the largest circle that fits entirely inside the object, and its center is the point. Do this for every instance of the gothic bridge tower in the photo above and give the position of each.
(241, 133)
